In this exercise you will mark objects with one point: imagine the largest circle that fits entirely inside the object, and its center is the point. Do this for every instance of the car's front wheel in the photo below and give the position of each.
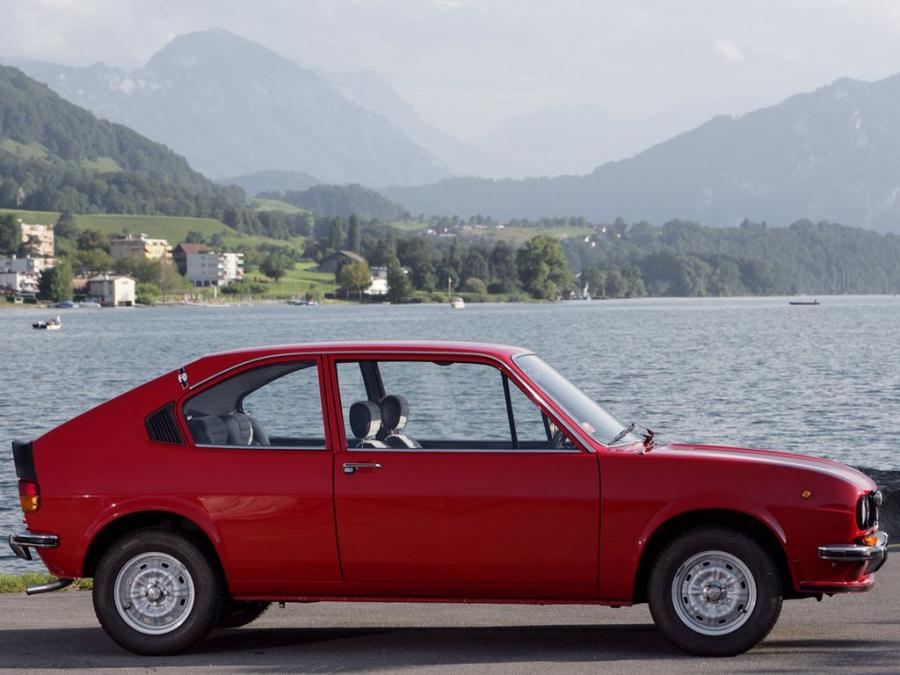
(715, 591)
(157, 592)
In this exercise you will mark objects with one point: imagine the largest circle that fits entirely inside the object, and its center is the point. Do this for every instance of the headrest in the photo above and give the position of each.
(394, 412)
(365, 419)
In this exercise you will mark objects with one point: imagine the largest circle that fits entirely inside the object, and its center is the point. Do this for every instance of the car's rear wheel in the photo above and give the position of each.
(239, 613)
(157, 592)
(715, 591)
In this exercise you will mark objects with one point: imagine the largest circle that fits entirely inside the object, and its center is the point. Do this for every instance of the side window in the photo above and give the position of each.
(276, 405)
(439, 405)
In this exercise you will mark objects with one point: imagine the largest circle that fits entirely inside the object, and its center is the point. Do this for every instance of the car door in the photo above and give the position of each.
(259, 448)
(483, 508)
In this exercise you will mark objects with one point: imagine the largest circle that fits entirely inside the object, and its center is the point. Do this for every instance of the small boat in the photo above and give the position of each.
(298, 302)
(90, 304)
(804, 302)
(67, 304)
(49, 324)
(458, 303)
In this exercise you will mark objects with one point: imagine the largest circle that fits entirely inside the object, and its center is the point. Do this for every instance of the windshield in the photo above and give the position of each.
(593, 419)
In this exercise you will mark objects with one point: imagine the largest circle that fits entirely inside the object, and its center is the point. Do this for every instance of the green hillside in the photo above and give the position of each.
(172, 228)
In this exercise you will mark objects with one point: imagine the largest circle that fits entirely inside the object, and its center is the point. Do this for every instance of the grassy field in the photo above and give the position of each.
(296, 282)
(260, 204)
(16, 583)
(493, 233)
(30, 151)
(102, 164)
(172, 228)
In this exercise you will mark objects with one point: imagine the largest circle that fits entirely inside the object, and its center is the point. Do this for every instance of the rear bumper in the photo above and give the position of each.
(873, 557)
(21, 543)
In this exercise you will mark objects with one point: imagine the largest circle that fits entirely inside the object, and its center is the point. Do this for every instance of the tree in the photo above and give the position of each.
(65, 227)
(95, 261)
(399, 286)
(503, 267)
(194, 237)
(55, 284)
(543, 267)
(355, 276)
(89, 240)
(475, 285)
(10, 234)
(475, 265)
(276, 264)
(354, 234)
(8, 194)
(336, 233)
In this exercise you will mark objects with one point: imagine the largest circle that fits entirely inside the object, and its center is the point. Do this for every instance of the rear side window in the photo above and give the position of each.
(275, 405)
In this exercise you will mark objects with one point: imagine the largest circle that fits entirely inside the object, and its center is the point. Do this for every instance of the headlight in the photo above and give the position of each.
(867, 510)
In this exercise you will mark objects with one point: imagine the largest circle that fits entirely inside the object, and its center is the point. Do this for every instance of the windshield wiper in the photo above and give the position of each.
(622, 434)
(648, 437)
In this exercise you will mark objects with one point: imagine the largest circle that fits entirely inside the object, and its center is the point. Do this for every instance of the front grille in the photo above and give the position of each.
(162, 427)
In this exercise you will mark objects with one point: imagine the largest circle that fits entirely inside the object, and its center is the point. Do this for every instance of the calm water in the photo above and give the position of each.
(822, 380)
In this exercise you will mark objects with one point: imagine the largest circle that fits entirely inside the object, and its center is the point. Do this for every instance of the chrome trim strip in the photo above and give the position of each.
(508, 451)
(257, 448)
(21, 542)
(855, 552)
(48, 588)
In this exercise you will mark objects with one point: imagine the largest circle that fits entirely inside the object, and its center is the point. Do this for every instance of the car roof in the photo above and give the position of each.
(211, 364)
(378, 346)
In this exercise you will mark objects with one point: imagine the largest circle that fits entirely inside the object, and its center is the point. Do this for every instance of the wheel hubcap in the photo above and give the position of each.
(714, 593)
(154, 593)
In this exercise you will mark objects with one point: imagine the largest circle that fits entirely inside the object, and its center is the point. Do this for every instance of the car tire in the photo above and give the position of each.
(157, 592)
(714, 591)
(239, 613)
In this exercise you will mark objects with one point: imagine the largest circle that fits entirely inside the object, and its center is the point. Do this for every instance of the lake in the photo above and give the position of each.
(822, 380)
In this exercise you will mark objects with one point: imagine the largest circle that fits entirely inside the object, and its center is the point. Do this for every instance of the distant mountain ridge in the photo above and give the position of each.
(233, 107)
(833, 154)
(272, 181)
(55, 155)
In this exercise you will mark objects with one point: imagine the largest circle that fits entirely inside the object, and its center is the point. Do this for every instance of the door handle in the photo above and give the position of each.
(351, 468)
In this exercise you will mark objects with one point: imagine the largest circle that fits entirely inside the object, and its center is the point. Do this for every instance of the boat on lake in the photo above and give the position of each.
(67, 304)
(49, 324)
(805, 302)
(458, 303)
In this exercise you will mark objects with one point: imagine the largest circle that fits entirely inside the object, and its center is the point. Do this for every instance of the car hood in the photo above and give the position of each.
(773, 458)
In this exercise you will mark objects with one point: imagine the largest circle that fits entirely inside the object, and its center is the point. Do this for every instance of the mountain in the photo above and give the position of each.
(272, 181)
(372, 91)
(574, 139)
(55, 155)
(832, 154)
(234, 107)
(346, 200)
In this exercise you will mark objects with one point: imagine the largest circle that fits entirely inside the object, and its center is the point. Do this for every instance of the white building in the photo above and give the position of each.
(21, 274)
(26, 265)
(19, 282)
(214, 269)
(378, 282)
(112, 291)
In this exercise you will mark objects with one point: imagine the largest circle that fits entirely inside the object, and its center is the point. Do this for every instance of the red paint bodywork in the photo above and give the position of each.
(453, 526)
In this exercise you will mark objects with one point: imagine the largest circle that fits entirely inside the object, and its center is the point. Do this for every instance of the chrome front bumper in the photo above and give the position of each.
(874, 555)
(22, 542)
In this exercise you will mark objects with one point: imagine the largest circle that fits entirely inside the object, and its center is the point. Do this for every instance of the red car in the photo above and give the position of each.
(423, 471)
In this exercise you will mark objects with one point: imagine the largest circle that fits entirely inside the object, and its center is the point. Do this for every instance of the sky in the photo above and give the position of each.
(470, 66)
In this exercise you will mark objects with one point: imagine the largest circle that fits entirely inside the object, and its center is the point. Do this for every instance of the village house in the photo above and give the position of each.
(21, 274)
(112, 290)
(209, 268)
(182, 251)
(378, 282)
(333, 262)
(38, 240)
(141, 246)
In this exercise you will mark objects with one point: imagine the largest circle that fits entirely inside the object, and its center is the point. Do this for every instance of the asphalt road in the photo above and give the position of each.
(853, 633)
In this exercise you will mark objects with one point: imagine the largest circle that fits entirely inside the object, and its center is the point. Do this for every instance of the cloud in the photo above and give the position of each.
(730, 51)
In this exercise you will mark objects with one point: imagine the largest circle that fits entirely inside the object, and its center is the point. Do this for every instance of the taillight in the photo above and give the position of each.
(29, 496)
